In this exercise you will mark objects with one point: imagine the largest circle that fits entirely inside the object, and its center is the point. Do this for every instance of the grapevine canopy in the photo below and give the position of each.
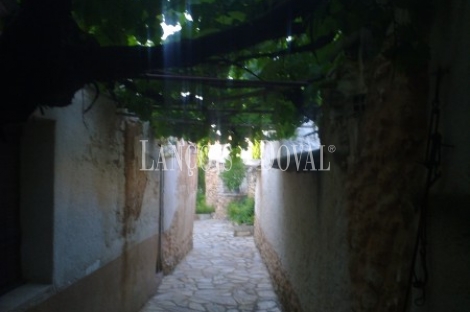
(223, 70)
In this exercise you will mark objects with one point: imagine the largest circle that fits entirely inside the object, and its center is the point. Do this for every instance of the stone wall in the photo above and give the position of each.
(251, 178)
(219, 196)
(448, 236)
(356, 251)
(212, 183)
(379, 151)
(177, 241)
(345, 237)
(282, 285)
(223, 200)
(179, 207)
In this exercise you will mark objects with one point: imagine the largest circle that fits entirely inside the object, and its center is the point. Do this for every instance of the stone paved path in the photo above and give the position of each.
(222, 273)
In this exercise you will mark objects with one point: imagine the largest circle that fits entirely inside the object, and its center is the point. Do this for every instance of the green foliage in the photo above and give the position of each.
(119, 22)
(126, 22)
(242, 211)
(201, 180)
(224, 112)
(129, 22)
(201, 205)
(231, 17)
(203, 153)
(234, 173)
(256, 151)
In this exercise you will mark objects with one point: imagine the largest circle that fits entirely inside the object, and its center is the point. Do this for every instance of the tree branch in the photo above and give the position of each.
(46, 60)
(321, 42)
(229, 83)
(118, 62)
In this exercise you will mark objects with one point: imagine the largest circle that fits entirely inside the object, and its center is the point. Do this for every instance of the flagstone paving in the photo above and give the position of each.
(222, 273)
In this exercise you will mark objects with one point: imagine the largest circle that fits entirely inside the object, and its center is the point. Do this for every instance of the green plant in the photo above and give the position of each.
(203, 152)
(201, 205)
(234, 173)
(201, 180)
(256, 151)
(242, 211)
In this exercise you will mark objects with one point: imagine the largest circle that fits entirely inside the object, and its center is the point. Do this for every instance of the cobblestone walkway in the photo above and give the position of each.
(222, 273)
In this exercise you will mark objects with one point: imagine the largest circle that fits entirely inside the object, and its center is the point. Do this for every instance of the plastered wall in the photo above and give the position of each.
(89, 215)
(301, 240)
(97, 212)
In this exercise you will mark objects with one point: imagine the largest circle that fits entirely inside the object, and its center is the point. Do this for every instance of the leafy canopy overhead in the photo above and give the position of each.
(234, 69)
(216, 109)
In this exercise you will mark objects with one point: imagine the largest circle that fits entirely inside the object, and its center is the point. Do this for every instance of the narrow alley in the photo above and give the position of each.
(222, 273)
(339, 129)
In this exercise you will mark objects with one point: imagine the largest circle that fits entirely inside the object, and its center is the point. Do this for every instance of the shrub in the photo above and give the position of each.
(234, 174)
(202, 152)
(256, 151)
(201, 180)
(242, 211)
(201, 205)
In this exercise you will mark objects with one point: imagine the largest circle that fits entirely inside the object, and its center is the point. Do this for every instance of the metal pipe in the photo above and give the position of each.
(160, 220)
